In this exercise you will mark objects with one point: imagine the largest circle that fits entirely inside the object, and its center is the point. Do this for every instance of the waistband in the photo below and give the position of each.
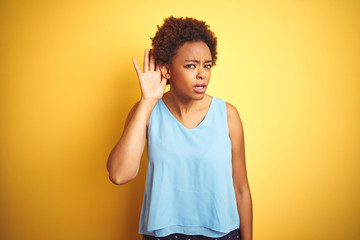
(233, 235)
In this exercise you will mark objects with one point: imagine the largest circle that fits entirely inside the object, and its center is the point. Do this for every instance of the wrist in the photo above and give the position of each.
(148, 102)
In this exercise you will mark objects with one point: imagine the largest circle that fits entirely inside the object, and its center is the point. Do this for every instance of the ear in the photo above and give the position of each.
(165, 71)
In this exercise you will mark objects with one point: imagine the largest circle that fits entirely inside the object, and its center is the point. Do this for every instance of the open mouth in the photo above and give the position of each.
(200, 88)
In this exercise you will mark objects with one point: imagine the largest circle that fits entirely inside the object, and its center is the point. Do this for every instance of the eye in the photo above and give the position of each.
(190, 66)
(208, 66)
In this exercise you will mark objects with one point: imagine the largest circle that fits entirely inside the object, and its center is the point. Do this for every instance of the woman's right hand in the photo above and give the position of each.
(152, 83)
(124, 160)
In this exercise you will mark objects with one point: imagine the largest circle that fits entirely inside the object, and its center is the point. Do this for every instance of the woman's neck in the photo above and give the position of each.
(182, 106)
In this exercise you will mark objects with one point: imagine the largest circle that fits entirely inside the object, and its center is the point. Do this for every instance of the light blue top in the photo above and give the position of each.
(189, 185)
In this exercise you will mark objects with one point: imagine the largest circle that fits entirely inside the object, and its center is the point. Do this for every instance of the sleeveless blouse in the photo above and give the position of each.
(189, 185)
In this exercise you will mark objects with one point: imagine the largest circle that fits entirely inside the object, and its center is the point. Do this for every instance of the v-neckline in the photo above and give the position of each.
(205, 117)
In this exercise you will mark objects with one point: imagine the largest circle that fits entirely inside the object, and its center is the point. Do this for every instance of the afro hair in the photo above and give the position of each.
(175, 32)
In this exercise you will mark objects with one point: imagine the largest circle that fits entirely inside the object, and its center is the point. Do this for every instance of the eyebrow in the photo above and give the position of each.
(197, 61)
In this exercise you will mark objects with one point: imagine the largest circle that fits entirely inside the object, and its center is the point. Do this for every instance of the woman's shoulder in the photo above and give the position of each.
(230, 108)
(231, 111)
(233, 118)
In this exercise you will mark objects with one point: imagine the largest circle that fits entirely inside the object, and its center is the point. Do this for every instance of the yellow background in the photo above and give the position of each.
(67, 83)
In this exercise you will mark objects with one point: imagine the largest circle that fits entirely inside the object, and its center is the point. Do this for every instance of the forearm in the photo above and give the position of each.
(124, 160)
(244, 205)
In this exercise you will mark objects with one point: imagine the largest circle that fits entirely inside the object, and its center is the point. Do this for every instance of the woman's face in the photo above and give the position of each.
(190, 70)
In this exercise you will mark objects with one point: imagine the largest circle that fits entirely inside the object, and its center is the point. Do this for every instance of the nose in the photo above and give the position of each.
(201, 74)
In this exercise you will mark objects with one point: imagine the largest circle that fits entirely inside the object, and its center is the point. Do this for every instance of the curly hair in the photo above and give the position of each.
(175, 32)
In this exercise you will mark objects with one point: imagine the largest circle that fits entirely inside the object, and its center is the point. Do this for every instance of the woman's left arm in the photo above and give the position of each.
(241, 184)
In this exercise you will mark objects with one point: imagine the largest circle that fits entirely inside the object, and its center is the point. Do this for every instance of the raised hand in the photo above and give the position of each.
(152, 83)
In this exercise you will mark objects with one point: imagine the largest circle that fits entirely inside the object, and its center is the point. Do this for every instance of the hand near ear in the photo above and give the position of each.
(152, 83)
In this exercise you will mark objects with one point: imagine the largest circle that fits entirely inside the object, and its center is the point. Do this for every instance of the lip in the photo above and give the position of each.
(200, 90)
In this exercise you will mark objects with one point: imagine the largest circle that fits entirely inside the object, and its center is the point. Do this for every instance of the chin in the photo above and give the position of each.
(199, 96)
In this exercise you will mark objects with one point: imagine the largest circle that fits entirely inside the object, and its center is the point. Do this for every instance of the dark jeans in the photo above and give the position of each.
(233, 235)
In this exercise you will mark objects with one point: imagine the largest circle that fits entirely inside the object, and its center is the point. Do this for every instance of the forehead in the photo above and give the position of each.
(193, 51)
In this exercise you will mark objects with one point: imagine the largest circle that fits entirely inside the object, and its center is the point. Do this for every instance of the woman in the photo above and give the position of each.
(196, 185)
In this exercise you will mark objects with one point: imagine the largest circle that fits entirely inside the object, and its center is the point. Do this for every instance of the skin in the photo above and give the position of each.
(191, 65)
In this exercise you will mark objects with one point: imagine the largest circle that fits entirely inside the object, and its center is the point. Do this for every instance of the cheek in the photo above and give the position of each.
(209, 75)
(183, 76)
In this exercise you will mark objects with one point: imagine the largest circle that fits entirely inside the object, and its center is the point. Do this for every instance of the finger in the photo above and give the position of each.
(163, 81)
(157, 68)
(152, 60)
(137, 68)
(146, 60)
